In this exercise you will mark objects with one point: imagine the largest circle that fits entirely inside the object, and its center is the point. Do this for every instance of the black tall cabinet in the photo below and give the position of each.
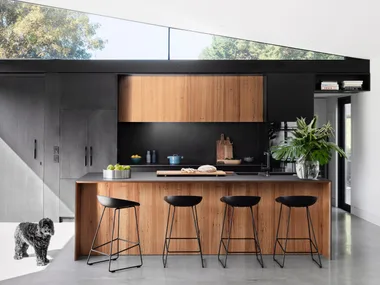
(289, 95)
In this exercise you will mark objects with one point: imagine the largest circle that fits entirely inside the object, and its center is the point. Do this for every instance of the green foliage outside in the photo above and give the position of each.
(309, 143)
(32, 31)
(230, 48)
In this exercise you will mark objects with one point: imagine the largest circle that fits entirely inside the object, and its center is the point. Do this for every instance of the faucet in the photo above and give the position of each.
(266, 168)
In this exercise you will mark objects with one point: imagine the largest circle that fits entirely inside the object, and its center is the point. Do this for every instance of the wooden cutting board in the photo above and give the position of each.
(180, 173)
(224, 148)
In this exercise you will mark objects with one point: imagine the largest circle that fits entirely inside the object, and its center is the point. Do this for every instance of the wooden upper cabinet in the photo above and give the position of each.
(191, 98)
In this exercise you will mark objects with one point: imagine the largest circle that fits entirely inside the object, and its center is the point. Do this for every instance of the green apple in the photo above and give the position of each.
(110, 167)
(126, 167)
(119, 167)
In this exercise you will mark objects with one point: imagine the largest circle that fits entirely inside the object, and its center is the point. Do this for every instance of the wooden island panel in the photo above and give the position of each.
(153, 212)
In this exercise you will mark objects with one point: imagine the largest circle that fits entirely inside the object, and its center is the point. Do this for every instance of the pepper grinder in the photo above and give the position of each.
(148, 157)
(154, 156)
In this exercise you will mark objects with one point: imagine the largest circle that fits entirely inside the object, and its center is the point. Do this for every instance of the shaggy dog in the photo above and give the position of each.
(35, 235)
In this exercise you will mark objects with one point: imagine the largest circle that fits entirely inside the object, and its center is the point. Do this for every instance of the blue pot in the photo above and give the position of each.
(175, 159)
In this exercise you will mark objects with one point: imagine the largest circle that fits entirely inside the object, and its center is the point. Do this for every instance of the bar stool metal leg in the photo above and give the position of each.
(95, 236)
(224, 264)
(221, 235)
(278, 229)
(167, 239)
(310, 224)
(113, 229)
(286, 240)
(138, 237)
(118, 239)
(196, 225)
(256, 240)
(166, 250)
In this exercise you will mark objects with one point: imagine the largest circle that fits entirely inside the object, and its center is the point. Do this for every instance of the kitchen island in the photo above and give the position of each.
(149, 190)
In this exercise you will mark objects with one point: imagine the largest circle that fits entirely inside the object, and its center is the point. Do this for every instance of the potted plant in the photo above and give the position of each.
(309, 147)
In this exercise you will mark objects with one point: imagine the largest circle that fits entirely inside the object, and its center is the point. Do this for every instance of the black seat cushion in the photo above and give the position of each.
(297, 201)
(241, 201)
(116, 203)
(183, 201)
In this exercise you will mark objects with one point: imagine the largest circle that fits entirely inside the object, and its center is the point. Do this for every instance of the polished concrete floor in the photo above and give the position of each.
(356, 260)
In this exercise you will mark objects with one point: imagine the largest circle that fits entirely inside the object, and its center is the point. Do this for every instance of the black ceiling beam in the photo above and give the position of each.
(185, 66)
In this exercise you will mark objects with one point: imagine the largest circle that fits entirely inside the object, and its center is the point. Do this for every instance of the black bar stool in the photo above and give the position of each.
(297, 202)
(116, 204)
(181, 201)
(239, 202)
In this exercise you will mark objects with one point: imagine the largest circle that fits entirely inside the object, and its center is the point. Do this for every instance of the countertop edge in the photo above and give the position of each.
(150, 177)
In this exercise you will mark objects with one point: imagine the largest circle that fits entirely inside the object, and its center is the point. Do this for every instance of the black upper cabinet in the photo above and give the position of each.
(289, 96)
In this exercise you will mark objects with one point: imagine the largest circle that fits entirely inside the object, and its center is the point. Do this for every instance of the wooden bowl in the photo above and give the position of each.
(230, 161)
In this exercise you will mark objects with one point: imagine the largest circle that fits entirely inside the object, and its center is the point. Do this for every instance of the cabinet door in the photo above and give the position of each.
(88, 91)
(102, 139)
(21, 147)
(159, 98)
(251, 106)
(206, 98)
(73, 141)
(225, 98)
(191, 98)
(290, 96)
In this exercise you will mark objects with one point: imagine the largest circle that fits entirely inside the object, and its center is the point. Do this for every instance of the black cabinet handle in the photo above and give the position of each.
(35, 149)
(85, 156)
(90, 155)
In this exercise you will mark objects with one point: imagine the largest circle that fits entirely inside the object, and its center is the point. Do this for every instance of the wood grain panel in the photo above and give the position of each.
(131, 101)
(191, 98)
(231, 97)
(251, 99)
(153, 211)
(242, 221)
(267, 219)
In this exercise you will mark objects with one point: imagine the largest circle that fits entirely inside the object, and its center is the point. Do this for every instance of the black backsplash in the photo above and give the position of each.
(196, 142)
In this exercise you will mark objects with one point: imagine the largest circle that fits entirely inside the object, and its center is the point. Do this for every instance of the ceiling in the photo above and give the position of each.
(343, 27)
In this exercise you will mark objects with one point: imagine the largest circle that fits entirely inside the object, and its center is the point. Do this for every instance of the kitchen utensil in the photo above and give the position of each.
(175, 159)
(180, 173)
(136, 160)
(229, 161)
(220, 148)
(224, 148)
(228, 151)
(248, 159)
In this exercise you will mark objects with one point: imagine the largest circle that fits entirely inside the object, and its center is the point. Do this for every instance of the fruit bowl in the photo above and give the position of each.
(136, 160)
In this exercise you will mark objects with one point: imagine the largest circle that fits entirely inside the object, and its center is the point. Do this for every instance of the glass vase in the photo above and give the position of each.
(307, 169)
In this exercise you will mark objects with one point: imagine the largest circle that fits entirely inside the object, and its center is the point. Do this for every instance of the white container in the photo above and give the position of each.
(125, 174)
(118, 174)
(108, 174)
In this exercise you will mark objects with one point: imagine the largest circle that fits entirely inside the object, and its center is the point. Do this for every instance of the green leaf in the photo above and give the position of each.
(308, 142)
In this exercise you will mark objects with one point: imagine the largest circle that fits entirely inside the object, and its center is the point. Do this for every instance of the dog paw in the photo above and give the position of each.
(17, 257)
(42, 263)
(47, 261)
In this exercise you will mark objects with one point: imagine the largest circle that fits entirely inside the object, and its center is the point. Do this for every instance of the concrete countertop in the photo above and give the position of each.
(152, 177)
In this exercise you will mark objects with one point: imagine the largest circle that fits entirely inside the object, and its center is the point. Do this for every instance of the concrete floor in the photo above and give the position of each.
(355, 261)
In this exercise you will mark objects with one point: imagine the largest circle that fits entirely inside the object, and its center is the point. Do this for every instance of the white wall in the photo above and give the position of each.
(365, 150)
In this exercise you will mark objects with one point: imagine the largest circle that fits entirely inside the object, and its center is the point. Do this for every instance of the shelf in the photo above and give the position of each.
(338, 91)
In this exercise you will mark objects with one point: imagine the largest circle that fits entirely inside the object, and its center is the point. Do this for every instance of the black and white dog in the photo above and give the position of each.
(35, 235)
